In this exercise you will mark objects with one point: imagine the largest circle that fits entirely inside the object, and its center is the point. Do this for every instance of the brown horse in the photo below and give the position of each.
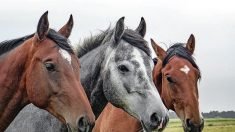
(42, 69)
(177, 82)
(175, 75)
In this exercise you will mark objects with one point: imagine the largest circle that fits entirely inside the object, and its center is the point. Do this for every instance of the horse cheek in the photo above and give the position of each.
(37, 85)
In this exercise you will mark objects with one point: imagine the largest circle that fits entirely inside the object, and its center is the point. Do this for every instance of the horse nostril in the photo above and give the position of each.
(188, 123)
(155, 121)
(82, 124)
(190, 126)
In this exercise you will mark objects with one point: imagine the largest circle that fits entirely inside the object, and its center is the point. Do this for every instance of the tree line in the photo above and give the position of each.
(211, 114)
(217, 114)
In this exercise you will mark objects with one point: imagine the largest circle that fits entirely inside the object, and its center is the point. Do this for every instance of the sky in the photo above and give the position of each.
(211, 21)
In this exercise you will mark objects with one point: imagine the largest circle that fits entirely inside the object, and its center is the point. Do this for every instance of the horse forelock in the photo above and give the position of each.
(136, 40)
(60, 40)
(179, 50)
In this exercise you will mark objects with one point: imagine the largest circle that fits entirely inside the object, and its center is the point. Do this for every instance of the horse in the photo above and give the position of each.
(116, 67)
(176, 80)
(177, 83)
(42, 69)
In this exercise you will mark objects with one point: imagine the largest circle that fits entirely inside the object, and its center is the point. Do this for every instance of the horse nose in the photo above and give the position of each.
(84, 125)
(157, 122)
(194, 127)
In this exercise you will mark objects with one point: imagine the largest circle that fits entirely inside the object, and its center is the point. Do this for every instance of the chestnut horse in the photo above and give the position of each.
(176, 80)
(42, 69)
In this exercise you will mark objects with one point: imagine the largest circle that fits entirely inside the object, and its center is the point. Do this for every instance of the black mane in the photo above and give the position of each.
(93, 42)
(61, 41)
(179, 49)
(130, 36)
(8, 45)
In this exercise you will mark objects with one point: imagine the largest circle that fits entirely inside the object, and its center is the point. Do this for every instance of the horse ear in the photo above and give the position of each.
(43, 26)
(119, 30)
(67, 28)
(141, 29)
(161, 53)
(191, 44)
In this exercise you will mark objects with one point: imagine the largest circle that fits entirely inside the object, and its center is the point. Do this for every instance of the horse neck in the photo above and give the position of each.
(91, 78)
(13, 96)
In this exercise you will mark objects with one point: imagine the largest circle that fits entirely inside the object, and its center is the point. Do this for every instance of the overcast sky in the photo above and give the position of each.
(168, 21)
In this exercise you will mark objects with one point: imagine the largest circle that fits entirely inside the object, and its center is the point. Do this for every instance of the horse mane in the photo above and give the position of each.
(179, 49)
(8, 45)
(130, 36)
(93, 42)
(61, 41)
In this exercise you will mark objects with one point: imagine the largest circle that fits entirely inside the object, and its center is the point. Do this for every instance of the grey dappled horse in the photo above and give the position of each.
(116, 67)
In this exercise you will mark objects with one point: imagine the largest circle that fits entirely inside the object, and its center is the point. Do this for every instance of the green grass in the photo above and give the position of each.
(211, 125)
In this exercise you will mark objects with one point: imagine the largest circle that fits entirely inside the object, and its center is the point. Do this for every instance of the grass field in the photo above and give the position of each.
(211, 125)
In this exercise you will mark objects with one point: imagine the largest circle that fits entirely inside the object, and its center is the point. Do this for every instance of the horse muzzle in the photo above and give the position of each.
(155, 123)
(83, 125)
(190, 127)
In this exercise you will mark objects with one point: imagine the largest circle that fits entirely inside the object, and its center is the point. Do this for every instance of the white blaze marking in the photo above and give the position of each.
(139, 58)
(109, 54)
(65, 55)
(154, 92)
(185, 69)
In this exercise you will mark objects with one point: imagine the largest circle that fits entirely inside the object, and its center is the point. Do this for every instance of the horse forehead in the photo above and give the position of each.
(179, 64)
(128, 52)
(65, 55)
(144, 62)
(185, 69)
(124, 52)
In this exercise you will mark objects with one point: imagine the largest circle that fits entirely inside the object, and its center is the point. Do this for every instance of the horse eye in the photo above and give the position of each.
(123, 68)
(50, 66)
(170, 79)
(155, 61)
